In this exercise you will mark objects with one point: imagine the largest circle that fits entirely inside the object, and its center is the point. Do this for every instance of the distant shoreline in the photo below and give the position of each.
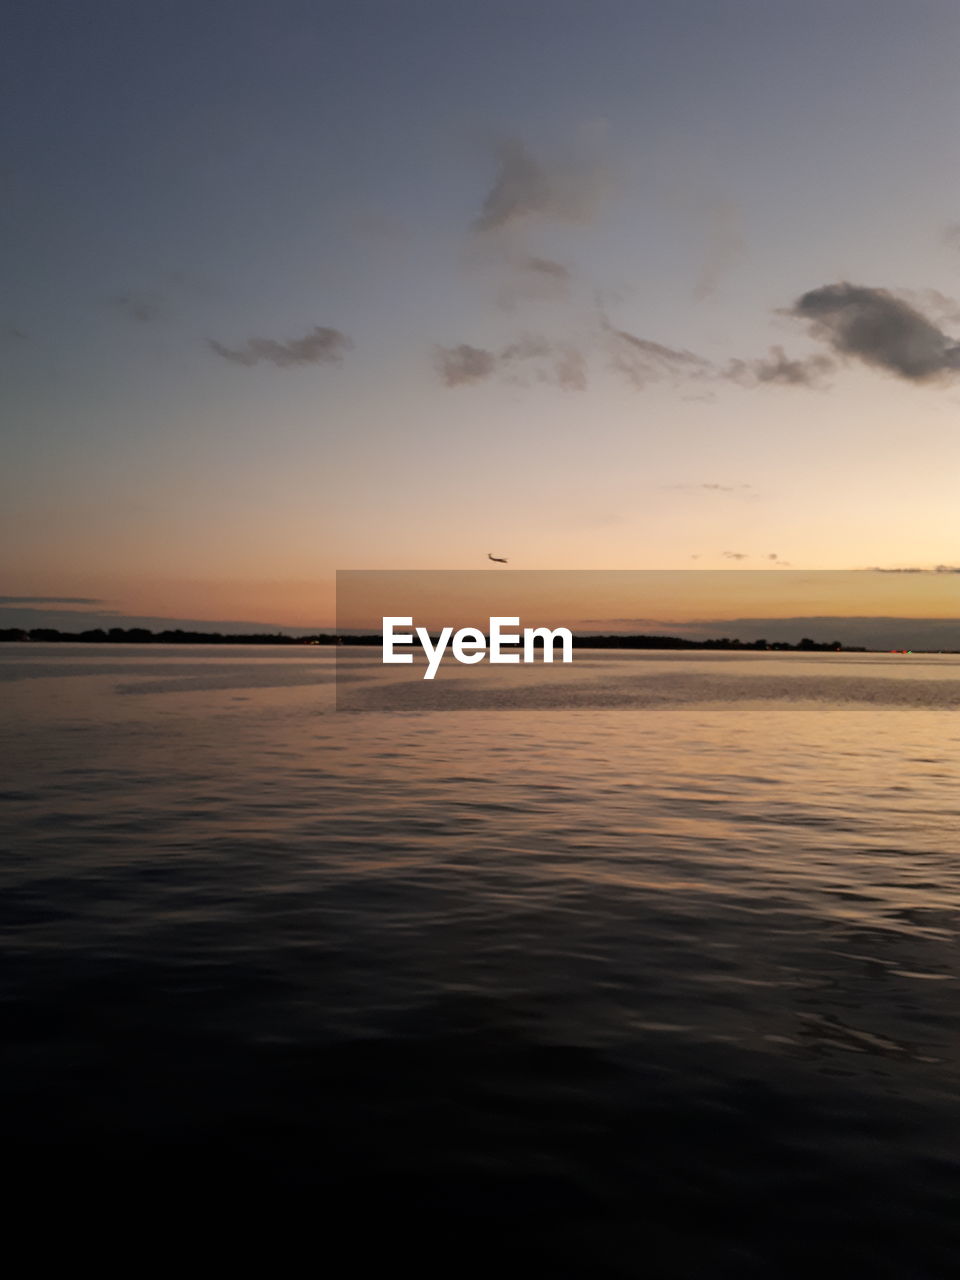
(140, 635)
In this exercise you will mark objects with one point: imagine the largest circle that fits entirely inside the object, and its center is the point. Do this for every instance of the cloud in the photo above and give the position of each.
(724, 246)
(530, 278)
(543, 361)
(569, 369)
(320, 346)
(938, 306)
(951, 235)
(774, 559)
(547, 267)
(4, 600)
(463, 364)
(875, 326)
(713, 487)
(641, 361)
(524, 188)
(777, 367)
(141, 306)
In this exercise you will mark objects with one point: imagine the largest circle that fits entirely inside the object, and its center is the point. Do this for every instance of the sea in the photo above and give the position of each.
(644, 966)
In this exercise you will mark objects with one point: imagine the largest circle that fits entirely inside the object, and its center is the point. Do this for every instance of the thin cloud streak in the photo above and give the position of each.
(642, 361)
(710, 487)
(778, 367)
(320, 346)
(558, 363)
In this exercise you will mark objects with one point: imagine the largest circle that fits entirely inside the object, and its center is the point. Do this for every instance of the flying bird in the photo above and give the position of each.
(498, 559)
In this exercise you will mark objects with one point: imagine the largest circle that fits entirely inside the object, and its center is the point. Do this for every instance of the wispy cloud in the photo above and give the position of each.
(458, 366)
(141, 306)
(524, 187)
(530, 278)
(642, 361)
(530, 358)
(724, 246)
(735, 555)
(320, 346)
(778, 367)
(546, 267)
(879, 328)
(711, 487)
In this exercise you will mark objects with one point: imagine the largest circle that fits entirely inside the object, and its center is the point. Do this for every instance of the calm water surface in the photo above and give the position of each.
(642, 967)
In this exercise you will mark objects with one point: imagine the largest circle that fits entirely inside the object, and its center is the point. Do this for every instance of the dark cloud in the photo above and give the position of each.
(523, 188)
(540, 359)
(778, 368)
(735, 555)
(877, 327)
(5, 600)
(320, 346)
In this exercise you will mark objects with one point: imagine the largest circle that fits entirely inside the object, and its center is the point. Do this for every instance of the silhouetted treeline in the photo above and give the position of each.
(725, 642)
(140, 635)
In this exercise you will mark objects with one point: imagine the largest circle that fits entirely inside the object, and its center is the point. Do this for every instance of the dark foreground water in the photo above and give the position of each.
(645, 967)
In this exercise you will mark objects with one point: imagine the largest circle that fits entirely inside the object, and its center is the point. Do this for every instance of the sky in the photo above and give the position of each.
(296, 287)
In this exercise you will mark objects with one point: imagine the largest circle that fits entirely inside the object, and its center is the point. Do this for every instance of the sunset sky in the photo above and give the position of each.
(618, 284)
